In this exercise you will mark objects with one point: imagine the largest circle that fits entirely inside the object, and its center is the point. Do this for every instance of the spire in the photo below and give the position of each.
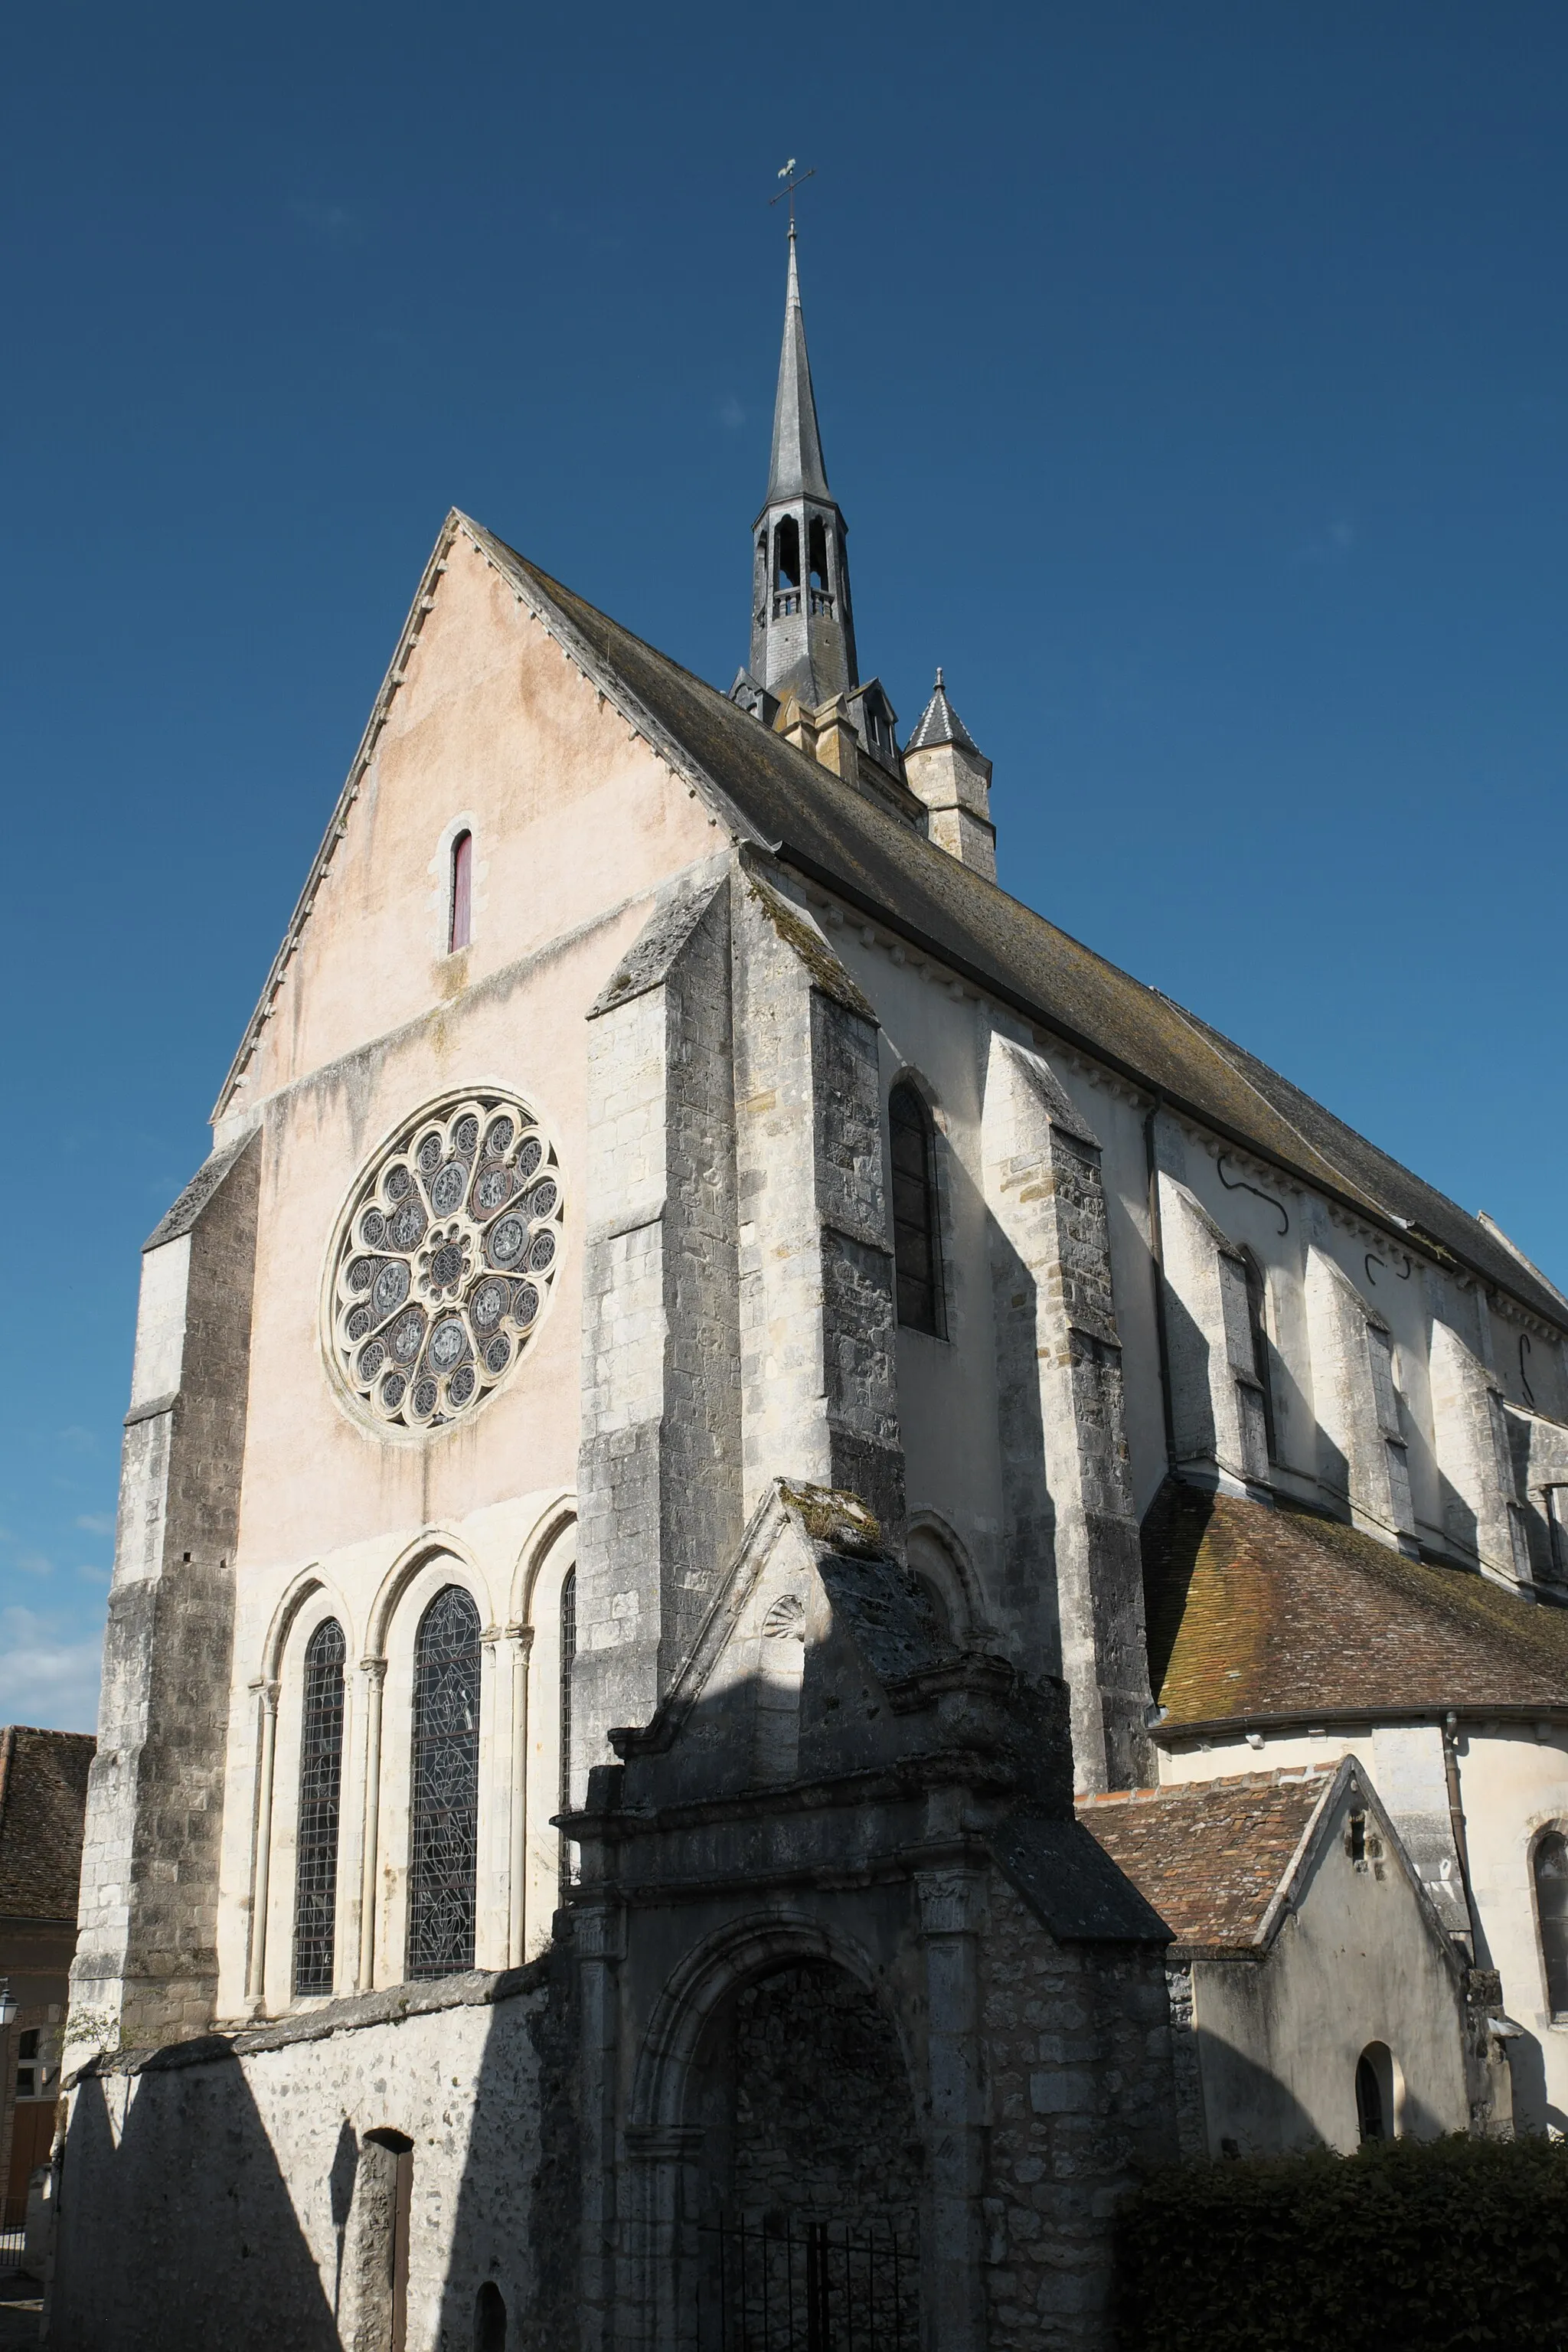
(797, 470)
(945, 768)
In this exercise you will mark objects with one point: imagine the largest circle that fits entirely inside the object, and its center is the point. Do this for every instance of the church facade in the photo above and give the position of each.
(799, 1574)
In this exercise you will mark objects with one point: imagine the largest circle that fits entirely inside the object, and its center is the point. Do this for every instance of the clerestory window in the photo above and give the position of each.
(568, 1652)
(917, 1261)
(444, 1832)
(321, 1793)
(1255, 1298)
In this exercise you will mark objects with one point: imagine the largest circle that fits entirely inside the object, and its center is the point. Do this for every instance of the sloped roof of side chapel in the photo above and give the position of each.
(779, 800)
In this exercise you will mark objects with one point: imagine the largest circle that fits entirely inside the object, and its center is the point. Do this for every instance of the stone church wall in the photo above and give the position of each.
(230, 2193)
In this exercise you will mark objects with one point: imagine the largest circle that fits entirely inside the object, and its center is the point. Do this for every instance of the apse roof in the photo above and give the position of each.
(1257, 1612)
(832, 833)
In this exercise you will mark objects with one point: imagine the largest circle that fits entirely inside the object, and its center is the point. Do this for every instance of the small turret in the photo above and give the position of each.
(946, 769)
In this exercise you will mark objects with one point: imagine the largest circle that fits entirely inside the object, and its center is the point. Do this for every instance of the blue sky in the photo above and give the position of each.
(1192, 380)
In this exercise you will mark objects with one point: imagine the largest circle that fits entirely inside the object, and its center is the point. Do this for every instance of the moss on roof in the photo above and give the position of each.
(845, 838)
(1255, 1612)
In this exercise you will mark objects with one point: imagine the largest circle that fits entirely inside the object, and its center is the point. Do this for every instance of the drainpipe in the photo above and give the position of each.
(1461, 1843)
(1157, 1253)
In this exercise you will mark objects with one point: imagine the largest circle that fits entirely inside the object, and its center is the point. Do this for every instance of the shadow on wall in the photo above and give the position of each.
(189, 2237)
(1026, 1598)
(1251, 2111)
(1533, 2109)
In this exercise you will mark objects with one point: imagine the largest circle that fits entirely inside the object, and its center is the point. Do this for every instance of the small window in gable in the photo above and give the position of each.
(462, 896)
(1552, 1913)
(917, 1261)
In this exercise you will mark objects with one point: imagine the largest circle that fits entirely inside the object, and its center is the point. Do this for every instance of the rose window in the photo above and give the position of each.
(445, 1260)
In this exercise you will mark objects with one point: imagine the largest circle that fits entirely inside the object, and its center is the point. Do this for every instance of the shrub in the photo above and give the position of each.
(1409, 2246)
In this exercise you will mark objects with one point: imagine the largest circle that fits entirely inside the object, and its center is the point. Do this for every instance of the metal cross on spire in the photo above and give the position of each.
(793, 181)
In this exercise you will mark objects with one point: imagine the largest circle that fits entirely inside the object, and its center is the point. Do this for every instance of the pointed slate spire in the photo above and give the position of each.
(802, 628)
(796, 470)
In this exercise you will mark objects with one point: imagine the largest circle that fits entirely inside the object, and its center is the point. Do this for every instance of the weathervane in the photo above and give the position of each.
(793, 181)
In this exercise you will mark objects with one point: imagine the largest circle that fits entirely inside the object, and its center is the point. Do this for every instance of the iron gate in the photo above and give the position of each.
(790, 2284)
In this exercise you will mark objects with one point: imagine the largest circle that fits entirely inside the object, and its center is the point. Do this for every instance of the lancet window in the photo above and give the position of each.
(321, 1794)
(917, 1262)
(445, 1787)
(568, 1652)
(462, 898)
(1551, 1914)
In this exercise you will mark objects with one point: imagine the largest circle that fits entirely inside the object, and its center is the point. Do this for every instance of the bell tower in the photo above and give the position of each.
(803, 624)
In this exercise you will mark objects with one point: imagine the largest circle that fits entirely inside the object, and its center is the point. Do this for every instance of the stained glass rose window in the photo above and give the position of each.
(444, 1260)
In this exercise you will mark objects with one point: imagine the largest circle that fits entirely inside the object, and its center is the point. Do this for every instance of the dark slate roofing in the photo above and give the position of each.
(797, 470)
(1255, 1612)
(939, 723)
(1064, 1877)
(1209, 1857)
(841, 836)
(43, 1799)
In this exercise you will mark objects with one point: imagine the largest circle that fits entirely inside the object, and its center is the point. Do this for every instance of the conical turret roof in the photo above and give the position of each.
(939, 723)
(796, 470)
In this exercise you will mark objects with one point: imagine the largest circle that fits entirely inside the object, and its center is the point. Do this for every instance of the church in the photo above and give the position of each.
(800, 1576)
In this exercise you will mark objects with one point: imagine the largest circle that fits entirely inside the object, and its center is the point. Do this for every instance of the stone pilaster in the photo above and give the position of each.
(1482, 1519)
(953, 1906)
(818, 1371)
(146, 1964)
(1073, 1579)
(1363, 1452)
(659, 1467)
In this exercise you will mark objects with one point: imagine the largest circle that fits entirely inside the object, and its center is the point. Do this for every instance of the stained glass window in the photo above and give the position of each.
(568, 1652)
(444, 1260)
(320, 1792)
(444, 1834)
(916, 1264)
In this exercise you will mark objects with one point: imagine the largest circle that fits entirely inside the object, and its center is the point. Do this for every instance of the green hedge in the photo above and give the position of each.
(1412, 2246)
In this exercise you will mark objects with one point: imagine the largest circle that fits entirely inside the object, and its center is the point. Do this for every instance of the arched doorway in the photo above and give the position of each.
(813, 2165)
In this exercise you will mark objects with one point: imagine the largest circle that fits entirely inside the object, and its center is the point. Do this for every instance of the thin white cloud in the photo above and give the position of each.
(34, 1563)
(731, 415)
(48, 1673)
(97, 1523)
(1333, 544)
(93, 1575)
(333, 226)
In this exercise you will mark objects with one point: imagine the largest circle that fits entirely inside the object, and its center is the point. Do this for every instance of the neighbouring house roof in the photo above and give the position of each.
(774, 794)
(43, 1799)
(1256, 1612)
(1210, 1857)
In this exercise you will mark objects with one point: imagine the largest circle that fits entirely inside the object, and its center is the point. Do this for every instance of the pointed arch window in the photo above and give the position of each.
(787, 553)
(1259, 1329)
(321, 1793)
(917, 1260)
(461, 925)
(444, 1829)
(568, 1652)
(1551, 1863)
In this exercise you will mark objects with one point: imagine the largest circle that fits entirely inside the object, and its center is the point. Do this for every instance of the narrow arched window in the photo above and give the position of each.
(1255, 1297)
(489, 2319)
(320, 1792)
(787, 553)
(568, 1652)
(1369, 2116)
(444, 1785)
(917, 1263)
(462, 896)
(1551, 1911)
(816, 551)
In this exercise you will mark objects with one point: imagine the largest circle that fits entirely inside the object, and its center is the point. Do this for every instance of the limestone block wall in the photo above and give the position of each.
(237, 2194)
(1363, 1446)
(146, 1964)
(1078, 2058)
(1217, 1403)
(1482, 1513)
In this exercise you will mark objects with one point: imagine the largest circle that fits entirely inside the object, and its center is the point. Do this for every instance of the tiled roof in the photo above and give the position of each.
(1255, 1612)
(1209, 1857)
(841, 836)
(43, 1798)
